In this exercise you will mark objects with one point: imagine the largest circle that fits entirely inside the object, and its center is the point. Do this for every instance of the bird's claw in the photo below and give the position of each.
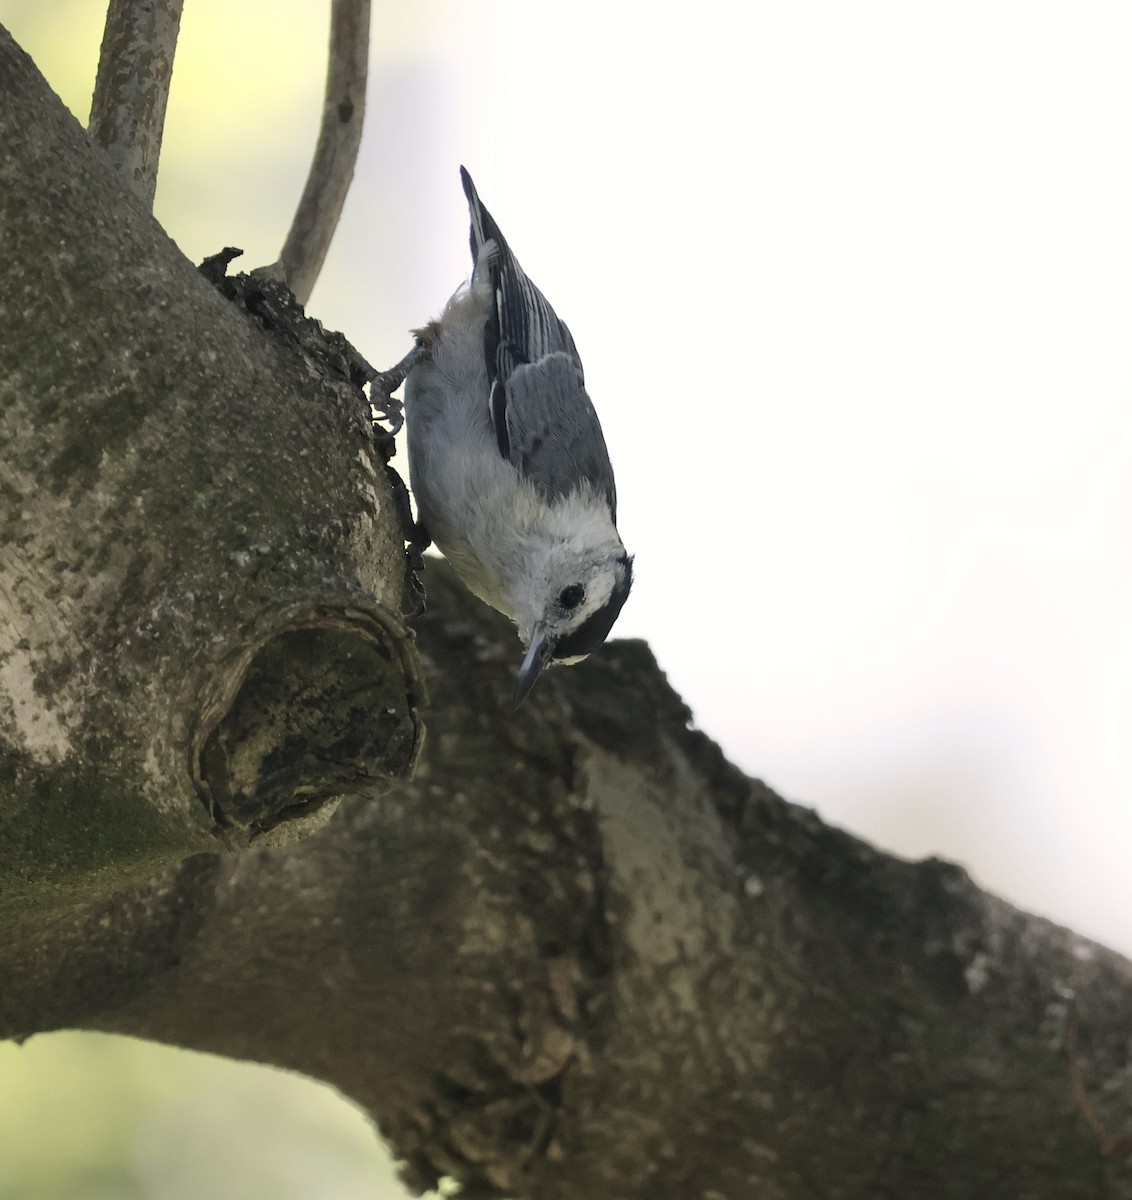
(382, 385)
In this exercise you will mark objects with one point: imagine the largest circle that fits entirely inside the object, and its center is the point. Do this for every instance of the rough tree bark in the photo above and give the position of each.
(575, 953)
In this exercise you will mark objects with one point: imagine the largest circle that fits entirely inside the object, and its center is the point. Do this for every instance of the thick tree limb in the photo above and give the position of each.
(579, 954)
(199, 540)
(339, 137)
(576, 953)
(131, 90)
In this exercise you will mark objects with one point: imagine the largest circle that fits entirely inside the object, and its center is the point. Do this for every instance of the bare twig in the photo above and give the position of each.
(127, 111)
(332, 168)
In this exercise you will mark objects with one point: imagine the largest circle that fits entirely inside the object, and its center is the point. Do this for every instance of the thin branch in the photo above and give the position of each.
(332, 168)
(127, 111)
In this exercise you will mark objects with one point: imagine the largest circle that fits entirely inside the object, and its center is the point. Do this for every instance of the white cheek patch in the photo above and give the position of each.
(598, 591)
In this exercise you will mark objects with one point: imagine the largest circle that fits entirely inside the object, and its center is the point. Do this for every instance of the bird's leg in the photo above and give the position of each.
(385, 383)
(382, 385)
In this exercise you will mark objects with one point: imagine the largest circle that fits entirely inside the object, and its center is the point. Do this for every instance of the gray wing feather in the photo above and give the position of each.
(544, 422)
(553, 433)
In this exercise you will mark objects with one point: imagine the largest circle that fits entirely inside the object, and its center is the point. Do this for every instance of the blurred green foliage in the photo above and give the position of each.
(244, 107)
(86, 1116)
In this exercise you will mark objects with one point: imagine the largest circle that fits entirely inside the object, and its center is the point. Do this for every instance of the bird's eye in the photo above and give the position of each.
(572, 596)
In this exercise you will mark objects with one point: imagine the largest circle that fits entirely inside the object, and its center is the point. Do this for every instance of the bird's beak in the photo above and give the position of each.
(538, 655)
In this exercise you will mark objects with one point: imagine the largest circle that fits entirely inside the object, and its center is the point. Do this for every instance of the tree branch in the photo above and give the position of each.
(201, 561)
(127, 111)
(580, 954)
(339, 137)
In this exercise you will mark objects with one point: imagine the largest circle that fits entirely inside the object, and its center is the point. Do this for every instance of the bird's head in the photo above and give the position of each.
(569, 605)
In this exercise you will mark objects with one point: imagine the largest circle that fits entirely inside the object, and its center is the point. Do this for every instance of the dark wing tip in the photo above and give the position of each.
(484, 228)
(475, 211)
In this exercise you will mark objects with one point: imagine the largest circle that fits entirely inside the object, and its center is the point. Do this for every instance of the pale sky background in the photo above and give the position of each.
(853, 288)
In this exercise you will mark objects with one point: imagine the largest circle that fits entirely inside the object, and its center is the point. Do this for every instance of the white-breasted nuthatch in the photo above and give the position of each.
(507, 460)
